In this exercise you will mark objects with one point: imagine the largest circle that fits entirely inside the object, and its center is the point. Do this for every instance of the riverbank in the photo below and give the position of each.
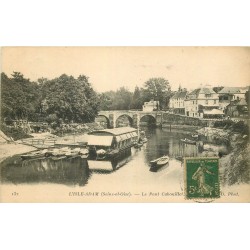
(235, 166)
(180, 127)
(11, 149)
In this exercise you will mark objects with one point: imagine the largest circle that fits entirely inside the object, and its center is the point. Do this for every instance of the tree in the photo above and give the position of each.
(137, 99)
(122, 99)
(19, 97)
(158, 89)
(70, 99)
(106, 100)
(247, 97)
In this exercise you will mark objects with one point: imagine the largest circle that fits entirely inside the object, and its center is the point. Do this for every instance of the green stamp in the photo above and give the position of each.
(202, 178)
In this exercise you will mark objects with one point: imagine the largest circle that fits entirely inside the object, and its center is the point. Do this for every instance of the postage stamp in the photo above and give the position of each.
(202, 178)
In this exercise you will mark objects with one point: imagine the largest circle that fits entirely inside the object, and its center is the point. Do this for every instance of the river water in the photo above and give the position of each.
(133, 169)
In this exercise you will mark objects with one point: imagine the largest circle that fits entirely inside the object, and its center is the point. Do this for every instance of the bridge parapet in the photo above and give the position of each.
(134, 116)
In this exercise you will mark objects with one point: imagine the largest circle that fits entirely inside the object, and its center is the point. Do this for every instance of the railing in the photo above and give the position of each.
(39, 143)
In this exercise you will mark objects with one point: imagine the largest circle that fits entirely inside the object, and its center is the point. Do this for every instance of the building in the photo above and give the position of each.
(237, 108)
(230, 94)
(202, 102)
(177, 102)
(151, 106)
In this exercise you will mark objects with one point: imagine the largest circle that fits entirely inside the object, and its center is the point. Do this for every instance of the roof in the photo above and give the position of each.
(99, 140)
(233, 90)
(151, 102)
(179, 94)
(198, 91)
(114, 131)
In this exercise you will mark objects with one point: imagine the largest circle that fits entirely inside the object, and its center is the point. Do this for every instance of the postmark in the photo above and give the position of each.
(202, 178)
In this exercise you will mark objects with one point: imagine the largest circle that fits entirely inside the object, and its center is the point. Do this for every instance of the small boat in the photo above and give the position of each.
(195, 136)
(187, 141)
(84, 156)
(54, 158)
(84, 151)
(34, 155)
(158, 163)
(76, 150)
(71, 154)
(162, 161)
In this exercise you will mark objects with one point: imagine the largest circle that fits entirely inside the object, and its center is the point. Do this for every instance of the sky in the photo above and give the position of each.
(110, 68)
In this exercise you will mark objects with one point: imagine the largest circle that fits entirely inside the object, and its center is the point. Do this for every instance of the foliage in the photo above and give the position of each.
(20, 98)
(241, 127)
(70, 99)
(64, 98)
(123, 99)
(247, 96)
(116, 100)
(139, 97)
(159, 90)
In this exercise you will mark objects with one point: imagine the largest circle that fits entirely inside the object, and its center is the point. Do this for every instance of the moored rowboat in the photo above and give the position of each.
(187, 141)
(163, 160)
(158, 163)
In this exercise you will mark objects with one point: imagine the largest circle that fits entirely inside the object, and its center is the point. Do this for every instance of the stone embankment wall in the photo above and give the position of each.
(173, 119)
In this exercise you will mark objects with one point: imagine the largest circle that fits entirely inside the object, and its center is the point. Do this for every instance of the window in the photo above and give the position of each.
(206, 101)
(214, 101)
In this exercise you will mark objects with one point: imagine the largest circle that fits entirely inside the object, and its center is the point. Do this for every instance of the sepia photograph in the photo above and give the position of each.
(125, 124)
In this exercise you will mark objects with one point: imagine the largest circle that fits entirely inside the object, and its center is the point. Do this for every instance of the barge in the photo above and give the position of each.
(109, 145)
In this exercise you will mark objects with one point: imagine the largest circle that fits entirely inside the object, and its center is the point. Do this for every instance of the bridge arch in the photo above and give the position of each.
(103, 120)
(148, 120)
(119, 122)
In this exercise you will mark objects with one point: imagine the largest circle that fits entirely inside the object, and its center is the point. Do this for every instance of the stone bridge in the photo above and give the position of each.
(134, 117)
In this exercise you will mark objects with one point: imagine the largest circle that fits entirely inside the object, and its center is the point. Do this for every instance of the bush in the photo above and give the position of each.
(223, 124)
(241, 127)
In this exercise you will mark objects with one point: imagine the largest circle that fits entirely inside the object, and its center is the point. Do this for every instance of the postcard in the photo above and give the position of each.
(125, 124)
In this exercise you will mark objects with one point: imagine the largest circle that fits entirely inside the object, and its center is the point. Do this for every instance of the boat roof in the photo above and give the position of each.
(114, 131)
(99, 141)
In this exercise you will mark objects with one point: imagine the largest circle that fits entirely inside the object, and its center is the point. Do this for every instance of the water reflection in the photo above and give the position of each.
(58, 170)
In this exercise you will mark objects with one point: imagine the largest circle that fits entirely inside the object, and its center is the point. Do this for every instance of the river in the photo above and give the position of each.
(134, 168)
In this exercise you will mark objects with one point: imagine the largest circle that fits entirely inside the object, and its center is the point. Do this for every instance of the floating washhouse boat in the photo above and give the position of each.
(109, 143)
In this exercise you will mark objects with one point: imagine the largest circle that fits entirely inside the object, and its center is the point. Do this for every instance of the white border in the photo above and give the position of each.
(124, 226)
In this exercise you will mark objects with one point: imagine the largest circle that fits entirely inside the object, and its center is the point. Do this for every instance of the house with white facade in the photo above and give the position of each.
(150, 106)
(177, 102)
(202, 102)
